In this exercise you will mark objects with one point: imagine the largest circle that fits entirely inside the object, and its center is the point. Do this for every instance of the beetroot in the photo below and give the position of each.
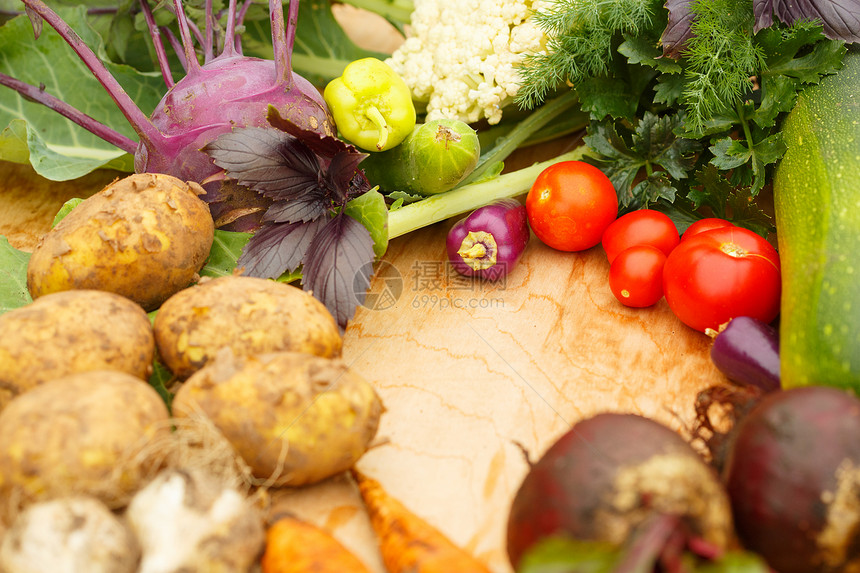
(225, 91)
(793, 480)
(618, 477)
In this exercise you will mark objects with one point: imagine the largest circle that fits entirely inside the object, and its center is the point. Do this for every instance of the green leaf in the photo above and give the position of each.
(66, 209)
(59, 149)
(160, 379)
(370, 210)
(13, 142)
(653, 144)
(401, 198)
(643, 50)
(225, 252)
(669, 89)
(653, 188)
(13, 277)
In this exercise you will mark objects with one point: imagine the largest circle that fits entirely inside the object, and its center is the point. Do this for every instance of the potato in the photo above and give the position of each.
(73, 331)
(86, 434)
(293, 417)
(145, 237)
(249, 315)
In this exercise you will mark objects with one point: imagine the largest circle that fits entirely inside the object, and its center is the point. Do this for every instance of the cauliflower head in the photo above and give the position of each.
(460, 57)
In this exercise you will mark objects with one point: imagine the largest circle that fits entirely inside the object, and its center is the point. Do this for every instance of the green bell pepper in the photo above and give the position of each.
(371, 105)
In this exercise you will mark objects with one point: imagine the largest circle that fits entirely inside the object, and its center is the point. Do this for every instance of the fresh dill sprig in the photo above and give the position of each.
(721, 57)
(582, 37)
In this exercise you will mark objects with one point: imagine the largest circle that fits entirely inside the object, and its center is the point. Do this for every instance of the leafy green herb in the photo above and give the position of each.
(653, 149)
(673, 87)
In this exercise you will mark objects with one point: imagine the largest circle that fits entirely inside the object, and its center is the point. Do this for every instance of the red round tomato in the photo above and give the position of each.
(636, 276)
(642, 227)
(703, 225)
(717, 275)
(570, 204)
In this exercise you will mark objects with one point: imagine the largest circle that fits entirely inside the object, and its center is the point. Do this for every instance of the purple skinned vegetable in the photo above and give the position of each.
(227, 90)
(489, 242)
(746, 350)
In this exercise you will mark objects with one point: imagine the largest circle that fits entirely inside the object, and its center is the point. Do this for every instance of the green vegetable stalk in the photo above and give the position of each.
(469, 197)
(434, 158)
(371, 105)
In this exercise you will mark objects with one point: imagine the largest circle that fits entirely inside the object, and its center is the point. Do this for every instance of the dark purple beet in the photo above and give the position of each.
(490, 241)
(607, 477)
(747, 352)
(793, 477)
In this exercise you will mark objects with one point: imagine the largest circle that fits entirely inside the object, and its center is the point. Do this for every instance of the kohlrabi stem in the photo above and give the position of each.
(283, 39)
(209, 44)
(138, 120)
(191, 63)
(92, 125)
(230, 36)
(155, 34)
(505, 145)
(466, 198)
(177, 47)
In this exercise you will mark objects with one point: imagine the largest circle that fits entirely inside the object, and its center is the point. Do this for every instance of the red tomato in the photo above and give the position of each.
(703, 225)
(642, 227)
(719, 274)
(570, 204)
(636, 276)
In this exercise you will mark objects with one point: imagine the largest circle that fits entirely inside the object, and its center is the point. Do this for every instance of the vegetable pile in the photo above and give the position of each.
(177, 352)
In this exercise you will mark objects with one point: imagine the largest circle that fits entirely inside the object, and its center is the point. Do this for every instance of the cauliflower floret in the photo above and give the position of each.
(461, 58)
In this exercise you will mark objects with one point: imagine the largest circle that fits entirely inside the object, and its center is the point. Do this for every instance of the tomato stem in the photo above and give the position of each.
(734, 250)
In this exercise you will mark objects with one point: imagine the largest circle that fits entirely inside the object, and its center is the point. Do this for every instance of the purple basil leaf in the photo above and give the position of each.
(299, 210)
(338, 266)
(344, 175)
(324, 145)
(840, 18)
(267, 160)
(678, 29)
(278, 247)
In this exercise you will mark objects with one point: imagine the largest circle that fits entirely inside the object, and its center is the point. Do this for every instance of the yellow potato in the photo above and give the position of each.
(248, 315)
(145, 237)
(293, 417)
(85, 433)
(68, 332)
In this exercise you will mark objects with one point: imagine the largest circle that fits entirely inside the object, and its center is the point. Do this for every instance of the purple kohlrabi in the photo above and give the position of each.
(225, 91)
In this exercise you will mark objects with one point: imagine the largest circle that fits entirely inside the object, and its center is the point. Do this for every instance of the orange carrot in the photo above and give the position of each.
(407, 542)
(295, 546)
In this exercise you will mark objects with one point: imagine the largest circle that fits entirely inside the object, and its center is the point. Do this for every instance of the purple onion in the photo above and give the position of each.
(489, 242)
(747, 352)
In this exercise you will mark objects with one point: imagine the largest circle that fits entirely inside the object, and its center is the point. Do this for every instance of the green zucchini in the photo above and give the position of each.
(817, 209)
